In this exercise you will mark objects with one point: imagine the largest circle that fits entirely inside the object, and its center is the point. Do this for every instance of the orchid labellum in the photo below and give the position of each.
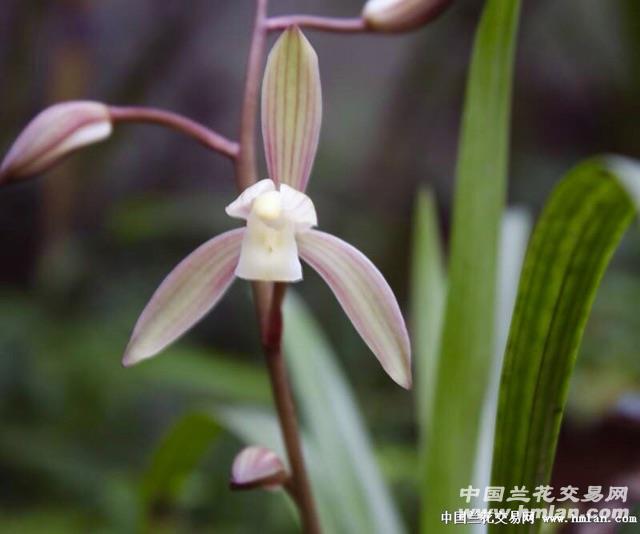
(280, 220)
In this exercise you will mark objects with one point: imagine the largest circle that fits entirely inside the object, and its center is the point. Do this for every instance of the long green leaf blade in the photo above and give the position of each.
(516, 229)
(468, 335)
(428, 284)
(359, 496)
(200, 372)
(572, 244)
(175, 458)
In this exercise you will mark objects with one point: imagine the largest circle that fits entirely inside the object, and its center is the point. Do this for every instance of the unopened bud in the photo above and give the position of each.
(54, 133)
(257, 467)
(401, 15)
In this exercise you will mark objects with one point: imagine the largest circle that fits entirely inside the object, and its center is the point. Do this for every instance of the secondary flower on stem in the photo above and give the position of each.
(280, 219)
(401, 15)
(257, 467)
(54, 133)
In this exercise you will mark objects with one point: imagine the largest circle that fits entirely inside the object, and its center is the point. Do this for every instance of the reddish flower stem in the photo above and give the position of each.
(300, 487)
(246, 166)
(197, 131)
(312, 22)
(268, 296)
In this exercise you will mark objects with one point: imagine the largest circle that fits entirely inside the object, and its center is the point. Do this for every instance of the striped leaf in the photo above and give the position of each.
(291, 109)
(571, 246)
(365, 297)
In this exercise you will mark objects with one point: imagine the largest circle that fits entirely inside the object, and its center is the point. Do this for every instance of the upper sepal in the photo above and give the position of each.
(54, 133)
(257, 467)
(185, 296)
(365, 297)
(401, 15)
(291, 109)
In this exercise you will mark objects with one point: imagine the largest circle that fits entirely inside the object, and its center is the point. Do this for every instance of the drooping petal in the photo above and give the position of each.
(241, 206)
(185, 296)
(291, 109)
(54, 133)
(365, 297)
(257, 467)
(298, 208)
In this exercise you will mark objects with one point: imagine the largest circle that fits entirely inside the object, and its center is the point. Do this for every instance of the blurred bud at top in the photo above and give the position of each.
(401, 15)
(257, 467)
(54, 133)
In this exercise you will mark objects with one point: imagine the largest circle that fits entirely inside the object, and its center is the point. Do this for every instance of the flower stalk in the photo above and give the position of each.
(246, 165)
(203, 135)
(312, 22)
(300, 486)
(268, 297)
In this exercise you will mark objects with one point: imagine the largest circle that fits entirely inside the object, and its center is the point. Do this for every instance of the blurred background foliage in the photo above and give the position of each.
(84, 246)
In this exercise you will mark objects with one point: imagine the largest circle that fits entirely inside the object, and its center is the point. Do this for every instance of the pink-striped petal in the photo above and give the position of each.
(185, 296)
(365, 297)
(257, 467)
(291, 109)
(54, 133)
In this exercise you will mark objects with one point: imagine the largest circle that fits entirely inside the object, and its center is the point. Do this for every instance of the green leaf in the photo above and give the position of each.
(468, 340)
(516, 228)
(175, 458)
(572, 244)
(359, 496)
(203, 372)
(428, 283)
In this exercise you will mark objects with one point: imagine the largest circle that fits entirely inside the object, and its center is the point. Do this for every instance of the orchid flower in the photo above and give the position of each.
(280, 220)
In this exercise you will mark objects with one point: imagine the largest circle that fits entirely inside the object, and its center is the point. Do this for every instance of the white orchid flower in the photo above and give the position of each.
(280, 230)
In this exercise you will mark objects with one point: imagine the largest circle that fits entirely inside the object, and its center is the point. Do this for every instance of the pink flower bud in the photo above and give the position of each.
(401, 15)
(257, 467)
(54, 133)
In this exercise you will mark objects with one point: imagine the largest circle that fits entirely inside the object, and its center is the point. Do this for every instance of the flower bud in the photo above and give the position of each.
(401, 15)
(257, 467)
(54, 133)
